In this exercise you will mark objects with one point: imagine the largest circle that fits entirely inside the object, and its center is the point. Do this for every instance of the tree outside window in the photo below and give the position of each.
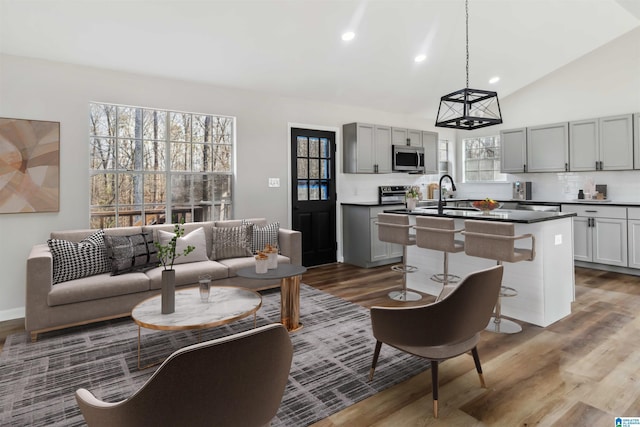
(482, 159)
(151, 166)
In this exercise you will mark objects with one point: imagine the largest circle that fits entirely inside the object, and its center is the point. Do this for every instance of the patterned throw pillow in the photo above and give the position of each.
(73, 260)
(196, 238)
(131, 253)
(263, 235)
(231, 242)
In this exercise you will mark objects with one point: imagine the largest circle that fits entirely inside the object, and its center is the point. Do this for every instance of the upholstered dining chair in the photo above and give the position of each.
(237, 380)
(441, 330)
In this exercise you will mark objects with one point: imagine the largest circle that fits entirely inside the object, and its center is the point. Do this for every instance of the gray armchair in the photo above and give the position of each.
(237, 380)
(441, 330)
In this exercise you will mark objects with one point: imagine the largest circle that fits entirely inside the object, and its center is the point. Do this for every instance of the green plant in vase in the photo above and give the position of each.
(167, 253)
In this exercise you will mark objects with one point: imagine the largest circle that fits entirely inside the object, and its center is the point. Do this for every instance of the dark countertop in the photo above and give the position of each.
(500, 215)
(524, 202)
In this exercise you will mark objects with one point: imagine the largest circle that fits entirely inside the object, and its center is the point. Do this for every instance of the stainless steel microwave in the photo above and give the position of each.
(407, 158)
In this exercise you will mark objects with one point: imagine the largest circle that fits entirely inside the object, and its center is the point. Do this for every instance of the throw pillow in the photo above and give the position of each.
(231, 242)
(73, 260)
(197, 238)
(131, 253)
(263, 235)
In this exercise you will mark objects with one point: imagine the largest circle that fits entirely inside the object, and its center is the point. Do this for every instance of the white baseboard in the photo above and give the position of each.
(14, 313)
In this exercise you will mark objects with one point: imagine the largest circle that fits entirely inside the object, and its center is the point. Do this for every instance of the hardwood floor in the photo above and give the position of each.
(582, 371)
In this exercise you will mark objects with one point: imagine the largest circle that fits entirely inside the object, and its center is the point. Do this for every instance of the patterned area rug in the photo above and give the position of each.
(332, 356)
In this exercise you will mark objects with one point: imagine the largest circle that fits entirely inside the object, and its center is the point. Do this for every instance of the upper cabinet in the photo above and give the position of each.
(513, 143)
(430, 144)
(548, 148)
(601, 144)
(366, 148)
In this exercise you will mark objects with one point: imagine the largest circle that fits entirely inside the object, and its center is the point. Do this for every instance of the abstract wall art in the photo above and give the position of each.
(29, 166)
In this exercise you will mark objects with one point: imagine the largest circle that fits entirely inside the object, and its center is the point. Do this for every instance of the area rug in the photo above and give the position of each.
(332, 356)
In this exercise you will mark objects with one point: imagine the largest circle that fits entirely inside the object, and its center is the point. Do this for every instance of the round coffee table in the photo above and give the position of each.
(289, 276)
(226, 305)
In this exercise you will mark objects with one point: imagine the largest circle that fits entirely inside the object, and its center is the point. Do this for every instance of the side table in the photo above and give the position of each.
(289, 276)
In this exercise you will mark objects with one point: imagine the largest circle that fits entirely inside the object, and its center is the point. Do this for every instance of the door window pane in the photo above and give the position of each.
(314, 147)
(303, 190)
(324, 148)
(303, 147)
(314, 190)
(314, 168)
(303, 172)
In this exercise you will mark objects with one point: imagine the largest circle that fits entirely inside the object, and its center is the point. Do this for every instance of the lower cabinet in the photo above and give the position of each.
(599, 234)
(361, 245)
(633, 237)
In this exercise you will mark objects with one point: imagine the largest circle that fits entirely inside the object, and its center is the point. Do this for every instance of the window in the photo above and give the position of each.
(148, 165)
(482, 159)
(443, 156)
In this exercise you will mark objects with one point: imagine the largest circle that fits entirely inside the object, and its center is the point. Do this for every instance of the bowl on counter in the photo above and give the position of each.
(486, 205)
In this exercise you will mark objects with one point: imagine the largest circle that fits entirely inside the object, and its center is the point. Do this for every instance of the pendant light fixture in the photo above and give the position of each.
(469, 108)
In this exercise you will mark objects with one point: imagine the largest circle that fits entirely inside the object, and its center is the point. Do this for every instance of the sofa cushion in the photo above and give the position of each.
(73, 260)
(136, 252)
(196, 238)
(231, 242)
(263, 235)
(97, 287)
(188, 274)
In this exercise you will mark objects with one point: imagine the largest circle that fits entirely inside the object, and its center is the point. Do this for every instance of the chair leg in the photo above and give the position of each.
(376, 353)
(476, 360)
(434, 386)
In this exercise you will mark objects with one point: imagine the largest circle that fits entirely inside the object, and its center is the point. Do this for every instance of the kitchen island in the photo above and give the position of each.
(545, 285)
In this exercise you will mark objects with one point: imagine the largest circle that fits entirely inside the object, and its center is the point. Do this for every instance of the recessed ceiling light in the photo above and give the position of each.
(349, 35)
(420, 58)
(494, 80)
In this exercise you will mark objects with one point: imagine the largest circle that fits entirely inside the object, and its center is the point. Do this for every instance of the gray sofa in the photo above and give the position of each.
(104, 296)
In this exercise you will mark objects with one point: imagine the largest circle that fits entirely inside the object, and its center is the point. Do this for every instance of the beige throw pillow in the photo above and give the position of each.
(197, 238)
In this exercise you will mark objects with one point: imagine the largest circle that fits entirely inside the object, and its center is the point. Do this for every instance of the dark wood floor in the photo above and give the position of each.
(581, 371)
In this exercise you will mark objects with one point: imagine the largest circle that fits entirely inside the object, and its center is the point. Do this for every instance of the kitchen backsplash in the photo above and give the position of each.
(623, 186)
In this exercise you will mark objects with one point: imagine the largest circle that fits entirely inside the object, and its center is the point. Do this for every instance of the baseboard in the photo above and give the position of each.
(14, 313)
(604, 267)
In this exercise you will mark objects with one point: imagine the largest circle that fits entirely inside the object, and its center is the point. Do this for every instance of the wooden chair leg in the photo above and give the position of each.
(376, 353)
(476, 360)
(434, 386)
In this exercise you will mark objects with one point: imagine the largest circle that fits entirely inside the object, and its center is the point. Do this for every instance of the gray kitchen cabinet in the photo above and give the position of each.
(402, 136)
(636, 140)
(601, 144)
(599, 234)
(633, 236)
(513, 150)
(415, 137)
(366, 148)
(430, 144)
(361, 245)
(548, 148)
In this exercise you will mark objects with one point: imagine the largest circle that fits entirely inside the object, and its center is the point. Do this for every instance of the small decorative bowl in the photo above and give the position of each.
(486, 205)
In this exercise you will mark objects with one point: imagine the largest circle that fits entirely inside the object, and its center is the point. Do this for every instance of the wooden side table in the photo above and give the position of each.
(289, 276)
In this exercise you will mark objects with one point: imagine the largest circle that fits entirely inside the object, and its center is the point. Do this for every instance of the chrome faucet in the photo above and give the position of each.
(453, 187)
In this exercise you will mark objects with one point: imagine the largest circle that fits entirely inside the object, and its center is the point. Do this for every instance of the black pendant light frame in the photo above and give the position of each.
(469, 108)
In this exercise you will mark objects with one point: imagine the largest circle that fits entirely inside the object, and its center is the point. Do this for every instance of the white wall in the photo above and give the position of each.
(41, 90)
(605, 82)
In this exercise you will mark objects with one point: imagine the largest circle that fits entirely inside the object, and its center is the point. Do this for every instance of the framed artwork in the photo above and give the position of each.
(29, 166)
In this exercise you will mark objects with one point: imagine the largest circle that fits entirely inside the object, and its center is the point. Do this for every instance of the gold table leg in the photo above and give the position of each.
(290, 303)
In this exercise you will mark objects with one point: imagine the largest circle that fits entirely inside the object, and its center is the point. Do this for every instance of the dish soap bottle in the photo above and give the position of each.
(580, 194)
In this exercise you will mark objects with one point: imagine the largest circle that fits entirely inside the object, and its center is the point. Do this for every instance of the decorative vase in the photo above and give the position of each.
(411, 203)
(168, 291)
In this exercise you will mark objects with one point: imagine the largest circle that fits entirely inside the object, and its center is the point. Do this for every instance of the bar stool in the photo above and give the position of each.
(496, 241)
(394, 228)
(439, 234)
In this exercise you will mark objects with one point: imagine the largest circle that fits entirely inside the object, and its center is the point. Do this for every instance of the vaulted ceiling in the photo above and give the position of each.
(294, 47)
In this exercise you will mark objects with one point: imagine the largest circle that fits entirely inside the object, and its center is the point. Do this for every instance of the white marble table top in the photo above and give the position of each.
(226, 305)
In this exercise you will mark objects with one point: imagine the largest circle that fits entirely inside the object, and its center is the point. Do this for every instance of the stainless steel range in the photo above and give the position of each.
(392, 194)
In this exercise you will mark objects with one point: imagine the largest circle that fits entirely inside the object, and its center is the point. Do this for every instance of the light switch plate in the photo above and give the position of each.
(558, 240)
(274, 182)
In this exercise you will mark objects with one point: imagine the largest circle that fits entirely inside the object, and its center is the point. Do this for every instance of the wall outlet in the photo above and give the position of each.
(274, 182)
(558, 239)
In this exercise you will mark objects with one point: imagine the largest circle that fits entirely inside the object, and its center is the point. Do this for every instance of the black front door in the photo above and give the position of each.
(313, 195)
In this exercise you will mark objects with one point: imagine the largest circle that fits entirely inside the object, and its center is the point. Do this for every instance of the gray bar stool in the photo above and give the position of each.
(439, 234)
(496, 241)
(394, 228)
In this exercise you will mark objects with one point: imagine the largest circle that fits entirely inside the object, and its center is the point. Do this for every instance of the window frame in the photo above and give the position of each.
(485, 148)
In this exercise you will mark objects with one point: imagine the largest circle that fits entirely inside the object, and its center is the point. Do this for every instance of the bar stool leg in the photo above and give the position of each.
(499, 324)
(404, 294)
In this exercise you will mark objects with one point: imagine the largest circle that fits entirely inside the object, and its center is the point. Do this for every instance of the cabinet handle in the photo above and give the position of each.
(524, 168)
(591, 211)
(566, 167)
(375, 168)
(601, 165)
